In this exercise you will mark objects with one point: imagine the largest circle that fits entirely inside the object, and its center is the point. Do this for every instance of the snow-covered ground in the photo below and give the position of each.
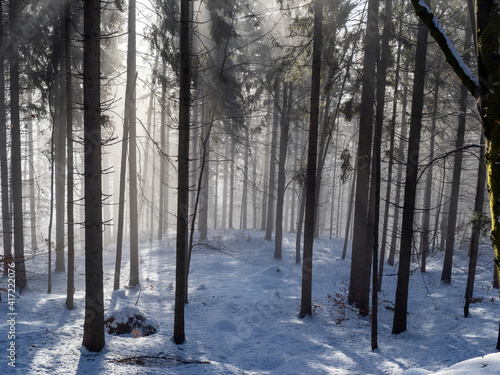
(242, 317)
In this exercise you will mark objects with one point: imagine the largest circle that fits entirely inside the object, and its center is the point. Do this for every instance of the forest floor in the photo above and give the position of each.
(242, 316)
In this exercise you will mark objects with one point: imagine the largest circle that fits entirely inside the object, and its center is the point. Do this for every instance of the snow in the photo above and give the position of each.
(242, 317)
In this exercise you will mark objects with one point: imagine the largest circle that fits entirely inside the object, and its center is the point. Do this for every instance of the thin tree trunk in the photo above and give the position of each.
(425, 240)
(254, 191)
(163, 162)
(272, 164)
(60, 168)
(263, 225)
(392, 129)
(285, 125)
(231, 184)
(224, 189)
(131, 80)
(306, 291)
(205, 171)
(16, 158)
(457, 169)
(294, 191)
(476, 229)
(31, 177)
(401, 305)
(349, 210)
(300, 224)
(244, 195)
(4, 167)
(399, 178)
(70, 186)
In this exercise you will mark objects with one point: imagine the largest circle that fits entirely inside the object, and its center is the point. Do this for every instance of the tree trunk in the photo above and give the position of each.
(244, 195)
(399, 178)
(70, 289)
(476, 230)
(31, 177)
(400, 308)
(426, 219)
(285, 125)
(306, 295)
(4, 166)
(16, 158)
(349, 210)
(162, 214)
(60, 168)
(182, 175)
(224, 188)
(131, 82)
(392, 129)
(272, 164)
(362, 241)
(457, 170)
(205, 170)
(93, 329)
(231, 184)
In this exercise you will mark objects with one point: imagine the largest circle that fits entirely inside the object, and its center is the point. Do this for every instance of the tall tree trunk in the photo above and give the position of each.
(216, 190)
(285, 125)
(231, 184)
(4, 166)
(392, 129)
(272, 163)
(70, 289)
(349, 210)
(205, 170)
(476, 230)
(254, 190)
(163, 162)
(265, 175)
(60, 168)
(294, 190)
(400, 309)
(93, 329)
(147, 148)
(224, 188)
(31, 177)
(131, 80)
(362, 241)
(182, 175)
(244, 195)
(426, 219)
(16, 158)
(457, 170)
(306, 295)
(399, 178)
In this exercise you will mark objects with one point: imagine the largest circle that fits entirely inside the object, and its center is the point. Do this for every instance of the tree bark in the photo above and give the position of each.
(70, 289)
(306, 295)
(401, 304)
(131, 80)
(16, 158)
(272, 163)
(362, 241)
(457, 170)
(426, 219)
(182, 175)
(476, 230)
(280, 199)
(4, 166)
(93, 329)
